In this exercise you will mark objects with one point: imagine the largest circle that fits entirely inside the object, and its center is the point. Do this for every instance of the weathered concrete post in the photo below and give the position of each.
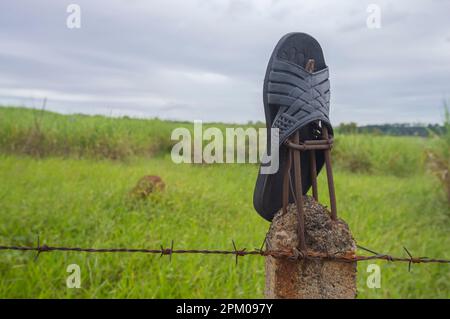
(310, 278)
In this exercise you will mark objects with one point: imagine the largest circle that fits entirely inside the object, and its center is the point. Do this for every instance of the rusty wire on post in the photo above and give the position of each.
(295, 147)
(330, 176)
(318, 145)
(298, 191)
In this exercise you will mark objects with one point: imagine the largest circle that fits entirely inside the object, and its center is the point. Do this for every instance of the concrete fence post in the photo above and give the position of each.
(306, 279)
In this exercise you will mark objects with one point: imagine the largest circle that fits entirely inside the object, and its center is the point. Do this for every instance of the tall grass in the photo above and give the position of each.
(365, 153)
(43, 133)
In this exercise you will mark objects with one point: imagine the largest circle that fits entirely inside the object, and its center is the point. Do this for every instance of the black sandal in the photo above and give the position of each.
(295, 99)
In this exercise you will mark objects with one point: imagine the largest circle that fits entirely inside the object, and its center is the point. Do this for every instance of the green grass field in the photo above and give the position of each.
(65, 187)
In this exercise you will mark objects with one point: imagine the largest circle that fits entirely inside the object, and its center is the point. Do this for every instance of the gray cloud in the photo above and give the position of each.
(206, 59)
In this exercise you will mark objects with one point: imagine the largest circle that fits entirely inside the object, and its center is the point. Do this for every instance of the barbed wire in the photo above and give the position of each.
(292, 254)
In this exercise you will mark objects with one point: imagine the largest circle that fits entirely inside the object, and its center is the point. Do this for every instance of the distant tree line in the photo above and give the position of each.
(405, 129)
(397, 129)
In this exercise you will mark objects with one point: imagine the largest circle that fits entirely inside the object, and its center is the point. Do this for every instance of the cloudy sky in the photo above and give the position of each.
(205, 59)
